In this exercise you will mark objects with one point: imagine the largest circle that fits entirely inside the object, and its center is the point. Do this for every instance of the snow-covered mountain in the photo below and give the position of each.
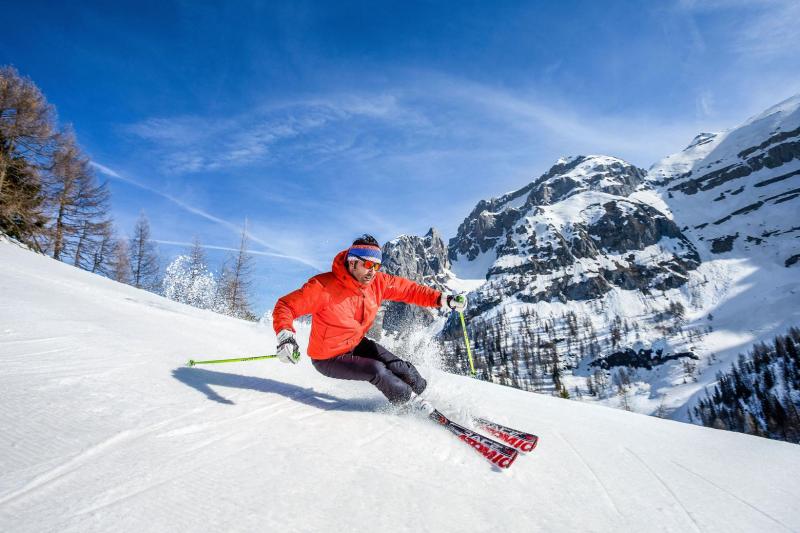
(573, 234)
(688, 263)
(736, 192)
(103, 428)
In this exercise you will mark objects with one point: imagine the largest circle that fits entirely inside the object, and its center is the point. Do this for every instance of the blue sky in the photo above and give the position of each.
(318, 121)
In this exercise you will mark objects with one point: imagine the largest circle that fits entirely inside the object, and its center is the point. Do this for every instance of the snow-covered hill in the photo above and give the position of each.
(104, 429)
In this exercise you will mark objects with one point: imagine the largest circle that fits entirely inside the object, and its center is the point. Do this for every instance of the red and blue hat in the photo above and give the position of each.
(366, 252)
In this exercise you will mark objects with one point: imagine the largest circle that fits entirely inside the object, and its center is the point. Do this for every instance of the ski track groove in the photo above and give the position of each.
(77, 461)
(24, 355)
(66, 468)
(734, 496)
(127, 496)
(274, 409)
(664, 484)
(31, 341)
(591, 471)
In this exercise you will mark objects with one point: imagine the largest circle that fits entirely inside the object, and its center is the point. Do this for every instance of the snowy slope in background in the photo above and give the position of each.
(736, 196)
(103, 429)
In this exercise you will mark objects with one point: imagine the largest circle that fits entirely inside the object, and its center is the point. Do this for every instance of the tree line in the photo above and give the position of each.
(760, 394)
(49, 196)
(533, 352)
(52, 201)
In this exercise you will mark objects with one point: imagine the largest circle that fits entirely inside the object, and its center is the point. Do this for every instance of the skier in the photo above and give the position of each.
(343, 304)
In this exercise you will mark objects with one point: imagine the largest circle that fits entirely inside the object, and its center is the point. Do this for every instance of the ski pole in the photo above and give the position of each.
(466, 341)
(192, 362)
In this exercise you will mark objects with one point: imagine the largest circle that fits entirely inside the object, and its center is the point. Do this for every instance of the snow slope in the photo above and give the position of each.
(102, 428)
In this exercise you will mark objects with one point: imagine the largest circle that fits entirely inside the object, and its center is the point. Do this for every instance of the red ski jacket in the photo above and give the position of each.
(342, 309)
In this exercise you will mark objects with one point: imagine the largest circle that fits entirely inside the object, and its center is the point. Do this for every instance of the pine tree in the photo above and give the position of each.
(791, 350)
(143, 257)
(197, 260)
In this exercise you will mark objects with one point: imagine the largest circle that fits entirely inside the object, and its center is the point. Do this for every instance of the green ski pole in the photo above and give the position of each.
(466, 341)
(192, 362)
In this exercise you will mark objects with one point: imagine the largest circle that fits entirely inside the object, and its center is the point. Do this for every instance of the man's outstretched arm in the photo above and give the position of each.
(297, 303)
(404, 290)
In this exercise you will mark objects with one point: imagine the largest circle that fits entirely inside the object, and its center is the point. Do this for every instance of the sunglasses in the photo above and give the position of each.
(371, 265)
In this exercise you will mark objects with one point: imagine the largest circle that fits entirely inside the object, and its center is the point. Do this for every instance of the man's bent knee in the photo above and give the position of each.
(394, 388)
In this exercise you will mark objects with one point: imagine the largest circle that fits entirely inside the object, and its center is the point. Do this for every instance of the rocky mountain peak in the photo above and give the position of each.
(491, 219)
(422, 259)
(572, 175)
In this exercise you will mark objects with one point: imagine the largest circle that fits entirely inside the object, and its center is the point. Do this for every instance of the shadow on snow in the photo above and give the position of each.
(202, 380)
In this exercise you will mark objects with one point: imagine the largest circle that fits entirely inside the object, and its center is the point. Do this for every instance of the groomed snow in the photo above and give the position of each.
(105, 429)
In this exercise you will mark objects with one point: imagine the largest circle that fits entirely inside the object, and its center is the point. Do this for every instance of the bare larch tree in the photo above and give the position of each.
(81, 224)
(236, 282)
(143, 256)
(26, 135)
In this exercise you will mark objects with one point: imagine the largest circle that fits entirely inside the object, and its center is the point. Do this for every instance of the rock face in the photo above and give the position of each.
(421, 259)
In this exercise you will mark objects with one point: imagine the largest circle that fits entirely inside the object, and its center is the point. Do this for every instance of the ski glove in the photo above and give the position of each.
(454, 302)
(288, 350)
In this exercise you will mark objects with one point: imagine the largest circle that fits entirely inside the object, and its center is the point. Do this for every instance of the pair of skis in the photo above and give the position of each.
(501, 454)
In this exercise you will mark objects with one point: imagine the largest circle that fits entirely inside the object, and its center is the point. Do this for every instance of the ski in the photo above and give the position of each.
(495, 452)
(520, 440)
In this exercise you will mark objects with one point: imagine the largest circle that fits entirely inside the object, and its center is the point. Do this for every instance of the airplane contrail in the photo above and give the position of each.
(199, 212)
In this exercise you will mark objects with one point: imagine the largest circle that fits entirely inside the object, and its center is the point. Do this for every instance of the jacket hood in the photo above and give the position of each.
(339, 269)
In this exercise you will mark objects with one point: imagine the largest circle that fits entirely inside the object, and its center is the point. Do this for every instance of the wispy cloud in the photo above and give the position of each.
(432, 113)
(235, 228)
(271, 131)
(765, 29)
(541, 117)
(773, 33)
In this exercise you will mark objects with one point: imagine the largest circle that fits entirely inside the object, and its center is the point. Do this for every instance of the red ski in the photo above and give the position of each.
(495, 452)
(524, 442)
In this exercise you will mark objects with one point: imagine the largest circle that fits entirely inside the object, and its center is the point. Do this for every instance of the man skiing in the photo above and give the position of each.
(343, 304)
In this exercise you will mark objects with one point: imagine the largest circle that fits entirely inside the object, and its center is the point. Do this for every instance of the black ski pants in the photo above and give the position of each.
(369, 361)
